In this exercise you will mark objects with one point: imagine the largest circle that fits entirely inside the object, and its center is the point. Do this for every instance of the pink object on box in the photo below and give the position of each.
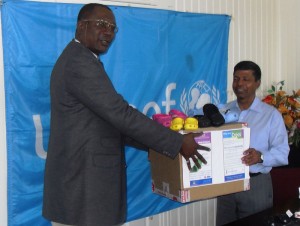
(163, 119)
(177, 114)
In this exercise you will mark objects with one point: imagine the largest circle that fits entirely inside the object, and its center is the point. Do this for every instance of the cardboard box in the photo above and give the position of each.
(223, 174)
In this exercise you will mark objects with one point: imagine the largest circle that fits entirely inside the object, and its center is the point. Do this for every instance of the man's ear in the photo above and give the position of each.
(80, 29)
(258, 84)
(80, 25)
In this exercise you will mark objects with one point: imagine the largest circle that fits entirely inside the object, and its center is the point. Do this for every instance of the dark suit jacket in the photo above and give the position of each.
(85, 175)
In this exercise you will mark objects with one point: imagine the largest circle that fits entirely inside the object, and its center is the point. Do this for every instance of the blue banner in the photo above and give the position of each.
(160, 60)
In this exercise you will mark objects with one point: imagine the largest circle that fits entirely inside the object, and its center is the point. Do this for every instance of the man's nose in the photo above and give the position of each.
(240, 82)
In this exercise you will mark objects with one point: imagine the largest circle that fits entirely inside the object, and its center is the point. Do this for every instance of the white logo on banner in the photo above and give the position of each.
(167, 103)
(39, 148)
(198, 95)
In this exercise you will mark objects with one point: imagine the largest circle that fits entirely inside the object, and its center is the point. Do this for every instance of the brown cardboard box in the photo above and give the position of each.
(223, 174)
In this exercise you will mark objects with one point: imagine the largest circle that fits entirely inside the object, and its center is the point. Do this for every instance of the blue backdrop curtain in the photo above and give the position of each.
(160, 60)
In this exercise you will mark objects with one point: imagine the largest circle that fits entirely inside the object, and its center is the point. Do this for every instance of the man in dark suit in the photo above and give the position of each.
(85, 175)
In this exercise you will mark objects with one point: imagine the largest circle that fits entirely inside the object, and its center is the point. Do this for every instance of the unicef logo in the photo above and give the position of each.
(198, 95)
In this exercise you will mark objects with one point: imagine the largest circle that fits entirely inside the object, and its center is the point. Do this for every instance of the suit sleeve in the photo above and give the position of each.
(89, 83)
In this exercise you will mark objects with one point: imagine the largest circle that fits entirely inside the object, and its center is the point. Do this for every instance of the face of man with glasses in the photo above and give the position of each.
(97, 31)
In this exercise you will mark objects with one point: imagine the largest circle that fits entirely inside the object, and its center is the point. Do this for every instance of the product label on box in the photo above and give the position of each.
(185, 196)
(233, 148)
(224, 162)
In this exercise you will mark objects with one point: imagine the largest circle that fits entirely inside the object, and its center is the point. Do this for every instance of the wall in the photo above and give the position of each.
(265, 31)
(289, 45)
(3, 162)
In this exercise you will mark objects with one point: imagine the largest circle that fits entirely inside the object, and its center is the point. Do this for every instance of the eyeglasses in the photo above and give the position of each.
(105, 25)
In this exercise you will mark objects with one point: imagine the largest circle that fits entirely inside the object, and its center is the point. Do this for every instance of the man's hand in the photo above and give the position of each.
(189, 149)
(251, 157)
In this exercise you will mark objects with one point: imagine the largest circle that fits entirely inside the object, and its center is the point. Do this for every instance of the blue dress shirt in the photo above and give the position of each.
(268, 134)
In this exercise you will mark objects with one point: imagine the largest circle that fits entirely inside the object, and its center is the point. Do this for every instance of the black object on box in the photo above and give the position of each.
(212, 112)
(203, 121)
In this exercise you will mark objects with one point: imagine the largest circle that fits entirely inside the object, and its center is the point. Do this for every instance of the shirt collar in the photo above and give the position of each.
(76, 40)
(255, 106)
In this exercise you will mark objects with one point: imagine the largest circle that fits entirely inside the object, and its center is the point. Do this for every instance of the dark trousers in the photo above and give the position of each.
(238, 205)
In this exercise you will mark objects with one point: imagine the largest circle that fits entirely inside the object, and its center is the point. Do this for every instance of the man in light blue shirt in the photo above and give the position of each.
(268, 146)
